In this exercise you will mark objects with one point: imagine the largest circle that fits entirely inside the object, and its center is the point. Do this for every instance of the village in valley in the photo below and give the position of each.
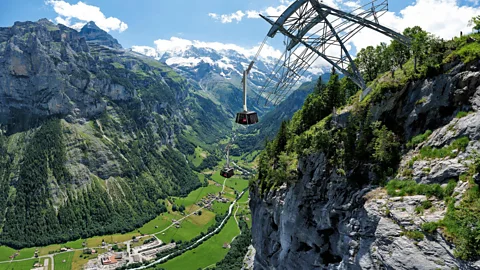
(138, 254)
(145, 248)
(185, 219)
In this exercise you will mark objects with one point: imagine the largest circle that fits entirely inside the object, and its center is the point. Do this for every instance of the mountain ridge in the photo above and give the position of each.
(89, 129)
(93, 34)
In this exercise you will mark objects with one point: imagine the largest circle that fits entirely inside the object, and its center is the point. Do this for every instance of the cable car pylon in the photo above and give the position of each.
(314, 30)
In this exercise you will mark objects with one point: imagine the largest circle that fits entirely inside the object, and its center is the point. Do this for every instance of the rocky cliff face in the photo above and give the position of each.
(325, 221)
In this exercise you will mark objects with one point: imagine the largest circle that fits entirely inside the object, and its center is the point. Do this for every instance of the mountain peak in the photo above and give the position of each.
(91, 25)
(45, 21)
(95, 35)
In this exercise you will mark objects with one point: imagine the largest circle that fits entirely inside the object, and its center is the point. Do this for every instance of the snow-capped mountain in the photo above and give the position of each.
(216, 69)
(198, 61)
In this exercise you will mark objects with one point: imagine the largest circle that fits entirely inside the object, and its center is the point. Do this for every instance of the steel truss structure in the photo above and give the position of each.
(312, 30)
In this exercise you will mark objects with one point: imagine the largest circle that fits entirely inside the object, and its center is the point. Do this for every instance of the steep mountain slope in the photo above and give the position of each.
(390, 182)
(92, 135)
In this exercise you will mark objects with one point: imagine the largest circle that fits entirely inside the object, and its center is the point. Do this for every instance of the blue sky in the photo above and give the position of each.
(149, 20)
(142, 22)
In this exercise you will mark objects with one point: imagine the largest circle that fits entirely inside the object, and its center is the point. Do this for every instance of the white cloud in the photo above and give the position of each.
(77, 15)
(270, 11)
(352, 4)
(179, 45)
(146, 50)
(443, 18)
(228, 18)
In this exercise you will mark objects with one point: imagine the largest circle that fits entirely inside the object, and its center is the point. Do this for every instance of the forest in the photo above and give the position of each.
(33, 218)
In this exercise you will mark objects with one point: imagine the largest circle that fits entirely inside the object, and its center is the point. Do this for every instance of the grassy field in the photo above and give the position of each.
(165, 219)
(244, 198)
(208, 253)
(197, 194)
(237, 184)
(72, 244)
(67, 265)
(243, 211)
(252, 156)
(201, 176)
(198, 156)
(6, 252)
(110, 239)
(217, 177)
(26, 253)
(190, 227)
(220, 208)
(157, 224)
(246, 161)
(28, 264)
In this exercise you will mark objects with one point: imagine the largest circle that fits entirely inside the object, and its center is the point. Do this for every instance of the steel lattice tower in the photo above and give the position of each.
(312, 30)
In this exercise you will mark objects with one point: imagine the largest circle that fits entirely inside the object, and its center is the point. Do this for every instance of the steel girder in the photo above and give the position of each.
(312, 30)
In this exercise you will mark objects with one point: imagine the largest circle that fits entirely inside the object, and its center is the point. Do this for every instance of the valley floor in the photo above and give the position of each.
(164, 232)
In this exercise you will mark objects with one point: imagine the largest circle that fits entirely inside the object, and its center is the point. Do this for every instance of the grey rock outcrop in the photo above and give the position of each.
(324, 221)
(94, 35)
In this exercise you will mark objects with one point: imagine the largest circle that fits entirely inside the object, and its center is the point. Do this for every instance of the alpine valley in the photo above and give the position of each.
(93, 136)
(132, 158)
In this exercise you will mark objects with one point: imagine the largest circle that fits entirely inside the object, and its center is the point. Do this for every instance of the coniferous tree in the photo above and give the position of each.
(313, 108)
(349, 88)
(333, 94)
(282, 138)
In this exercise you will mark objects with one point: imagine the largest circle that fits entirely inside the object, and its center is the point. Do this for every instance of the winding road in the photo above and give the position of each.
(179, 220)
(199, 240)
(232, 205)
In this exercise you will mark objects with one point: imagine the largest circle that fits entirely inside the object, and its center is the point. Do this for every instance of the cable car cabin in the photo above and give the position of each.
(227, 172)
(246, 118)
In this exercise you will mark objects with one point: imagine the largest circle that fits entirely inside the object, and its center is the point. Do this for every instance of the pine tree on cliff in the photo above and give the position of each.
(333, 95)
(281, 141)
(313, 108)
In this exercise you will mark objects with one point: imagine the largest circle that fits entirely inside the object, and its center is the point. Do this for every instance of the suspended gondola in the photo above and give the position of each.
(227, 171)
(246, 117)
